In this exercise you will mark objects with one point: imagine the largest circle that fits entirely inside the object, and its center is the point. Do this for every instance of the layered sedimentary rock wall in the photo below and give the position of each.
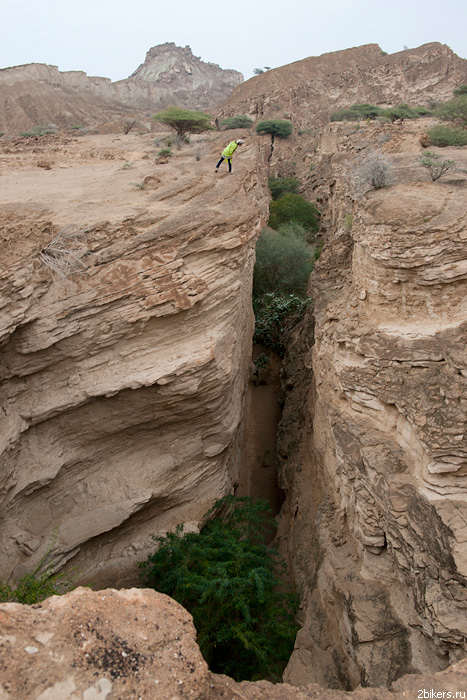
(376, 483)
(122, 384)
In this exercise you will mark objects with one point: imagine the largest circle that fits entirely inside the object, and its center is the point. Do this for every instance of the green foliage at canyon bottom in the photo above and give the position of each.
(227, 578)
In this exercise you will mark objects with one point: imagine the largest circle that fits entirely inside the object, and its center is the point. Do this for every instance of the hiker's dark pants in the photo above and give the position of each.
(229, 160)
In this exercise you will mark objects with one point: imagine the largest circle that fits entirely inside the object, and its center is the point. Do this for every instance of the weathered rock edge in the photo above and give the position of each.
(136, 643)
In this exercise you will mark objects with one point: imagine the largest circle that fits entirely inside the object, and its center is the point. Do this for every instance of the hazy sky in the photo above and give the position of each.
(109, 38)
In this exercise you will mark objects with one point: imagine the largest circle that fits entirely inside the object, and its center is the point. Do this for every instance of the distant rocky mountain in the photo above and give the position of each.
(176, 70)
(310, 90)
(38, 94)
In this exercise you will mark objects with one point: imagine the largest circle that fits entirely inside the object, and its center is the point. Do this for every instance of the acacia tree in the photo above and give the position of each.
(281, 128)
(184, 121)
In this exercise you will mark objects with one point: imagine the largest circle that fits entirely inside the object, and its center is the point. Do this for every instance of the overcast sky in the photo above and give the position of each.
(109, 38)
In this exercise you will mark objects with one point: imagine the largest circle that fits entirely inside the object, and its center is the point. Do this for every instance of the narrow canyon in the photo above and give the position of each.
(130, 404)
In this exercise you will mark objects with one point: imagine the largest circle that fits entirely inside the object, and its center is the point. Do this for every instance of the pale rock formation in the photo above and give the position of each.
(376, 482)
(182, 78)
(122, 385)
(136, 643)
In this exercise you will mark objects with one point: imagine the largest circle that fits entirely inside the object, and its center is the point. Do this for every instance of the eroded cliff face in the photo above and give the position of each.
(376, 483)
(308, 91)
(122, 385)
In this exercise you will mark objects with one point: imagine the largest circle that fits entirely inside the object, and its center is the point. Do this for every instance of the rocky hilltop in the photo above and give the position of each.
(38, 94)
(126, 328)
(177, 72)
(310, 90)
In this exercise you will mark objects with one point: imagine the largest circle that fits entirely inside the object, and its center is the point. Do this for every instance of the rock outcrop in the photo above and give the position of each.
(184, 79)
(115, 645)
(374, 439)
(37, 94)
(308, 91)
(126, 328)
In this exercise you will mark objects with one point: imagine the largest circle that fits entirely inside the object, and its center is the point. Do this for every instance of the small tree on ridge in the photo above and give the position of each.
(184, 121)
(281, 128)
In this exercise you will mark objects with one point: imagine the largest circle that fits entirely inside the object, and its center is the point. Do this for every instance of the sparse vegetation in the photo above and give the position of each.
(371, 171)
(40, 130)
(435, 165)
(139, 185)
(36, 586)
(404, 111)
(461, 90)
(240, 121)
(184, 121)
(63, 256)
(347, 222)
(227, 578)
(128, 125)
(165, 153)
(356, 113)
(32, 588)
(443, 136)
(370, 112)
(276, 315)
(454, 111)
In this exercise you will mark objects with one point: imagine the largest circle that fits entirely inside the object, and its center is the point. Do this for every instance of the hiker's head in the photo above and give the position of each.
(239, 142)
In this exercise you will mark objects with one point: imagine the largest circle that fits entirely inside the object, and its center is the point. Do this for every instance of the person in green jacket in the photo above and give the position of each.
(228, 152)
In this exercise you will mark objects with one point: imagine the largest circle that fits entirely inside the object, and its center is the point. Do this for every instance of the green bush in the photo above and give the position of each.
(276, 315)
(454, 111)
(283, 264)
(401, 112)
(240, 121)
(447, 136)
(226, 577)
(294, 228)
(165, 153)
(461, 90)
(282, 185)
(34, 587)
(281, 128)
(40, 130)
(356, 113)
(293, 207)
